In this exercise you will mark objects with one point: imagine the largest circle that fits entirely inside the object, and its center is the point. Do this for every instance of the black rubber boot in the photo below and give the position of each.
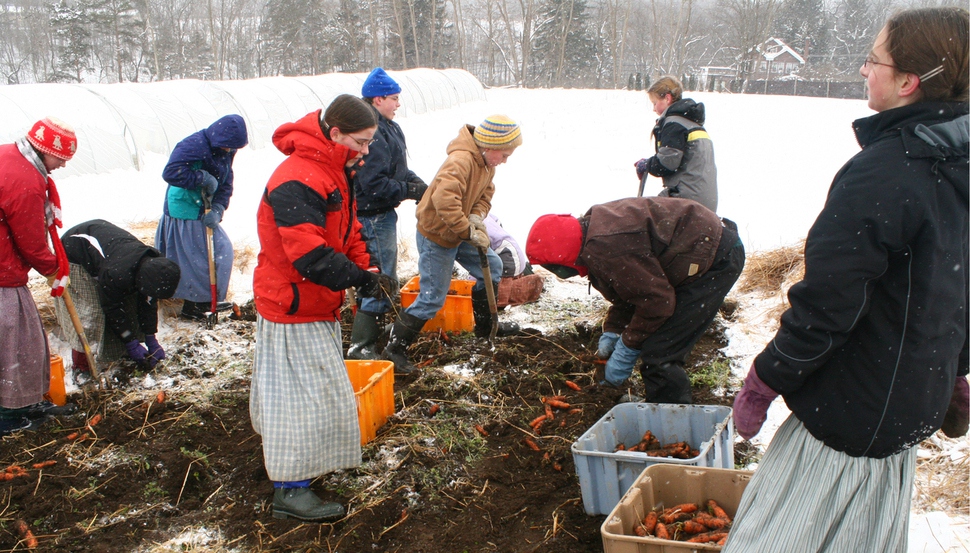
(483, 317)
(666, 383)
(303, 504)
(403, 333)
(364, 335)
(194, 310)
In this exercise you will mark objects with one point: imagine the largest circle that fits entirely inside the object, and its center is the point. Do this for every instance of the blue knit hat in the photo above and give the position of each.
(379, 83)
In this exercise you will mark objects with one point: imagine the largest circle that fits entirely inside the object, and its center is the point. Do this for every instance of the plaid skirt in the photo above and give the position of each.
(25, 364)
(807, 497)
(105, 346)
(302, 402)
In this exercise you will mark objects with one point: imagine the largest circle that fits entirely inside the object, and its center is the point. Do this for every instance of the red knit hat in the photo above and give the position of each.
(555, 240)
(53, 137)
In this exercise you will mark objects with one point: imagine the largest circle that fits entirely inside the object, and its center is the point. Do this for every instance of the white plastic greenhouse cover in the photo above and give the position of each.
(116, 124)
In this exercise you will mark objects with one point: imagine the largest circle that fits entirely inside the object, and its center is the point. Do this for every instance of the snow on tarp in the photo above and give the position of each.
(117, 124)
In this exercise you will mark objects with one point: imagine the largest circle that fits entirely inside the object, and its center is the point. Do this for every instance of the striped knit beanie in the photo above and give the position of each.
(498, 132)
(53, 137)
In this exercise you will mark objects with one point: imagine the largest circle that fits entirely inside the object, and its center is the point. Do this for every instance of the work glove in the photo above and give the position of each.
(955, 422)
(619, 367)
(476, 222)
(751, 405)
(606, 345)
(479, 239)
(155, 351)
(643, 167)
(209, 183)
(377, 285)
(136, 351)
(214, 216)
(416, 189)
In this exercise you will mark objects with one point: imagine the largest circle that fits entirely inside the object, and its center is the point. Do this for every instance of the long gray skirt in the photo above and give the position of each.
(25, 363)
(184, 242)
(806, 497)
(302, 402)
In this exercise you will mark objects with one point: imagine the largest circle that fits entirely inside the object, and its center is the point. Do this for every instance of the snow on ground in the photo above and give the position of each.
(775, 155)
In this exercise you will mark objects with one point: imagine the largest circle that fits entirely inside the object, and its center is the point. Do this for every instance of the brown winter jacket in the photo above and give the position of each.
(638, 251)
(462, 186)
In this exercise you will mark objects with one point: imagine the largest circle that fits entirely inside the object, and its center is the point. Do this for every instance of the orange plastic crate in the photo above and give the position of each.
(456, 315)
(373, 383)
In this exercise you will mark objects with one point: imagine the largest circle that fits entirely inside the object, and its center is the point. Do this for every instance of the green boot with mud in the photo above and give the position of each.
(364, 335)
(303, 504)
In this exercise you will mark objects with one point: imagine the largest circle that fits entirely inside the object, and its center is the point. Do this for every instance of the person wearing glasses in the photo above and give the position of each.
(382, 181)
(200, 184)
(451, 227)
(301, 401)
(872, 356)
(685, 153)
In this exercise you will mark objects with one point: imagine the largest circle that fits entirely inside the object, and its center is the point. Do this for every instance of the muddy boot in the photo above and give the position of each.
(483, 317)
(403, 333)
(303, 504)
(666, 383)
(194, 310)
(364, 335)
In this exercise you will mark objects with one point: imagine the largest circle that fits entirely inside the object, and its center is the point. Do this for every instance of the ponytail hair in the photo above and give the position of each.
(667, 85)
(932, 44)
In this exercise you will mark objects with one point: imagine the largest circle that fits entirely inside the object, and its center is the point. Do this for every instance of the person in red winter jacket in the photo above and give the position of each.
(29, 211)
(302, 402)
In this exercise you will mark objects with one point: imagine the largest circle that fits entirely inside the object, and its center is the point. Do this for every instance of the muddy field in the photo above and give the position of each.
(185, 473)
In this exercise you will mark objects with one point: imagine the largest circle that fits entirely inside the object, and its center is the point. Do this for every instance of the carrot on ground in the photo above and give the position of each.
(550, 414)
(537, 420)
(160, 397)
(532, 444)
(26, 536)
(45, 464)
(95, 419)
(557, 403)
(433, 410)
(573, 386)
(481, 430)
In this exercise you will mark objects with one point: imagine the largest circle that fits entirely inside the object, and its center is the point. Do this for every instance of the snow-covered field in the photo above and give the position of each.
(775, 156)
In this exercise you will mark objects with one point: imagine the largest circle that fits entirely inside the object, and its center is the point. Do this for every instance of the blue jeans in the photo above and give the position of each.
(435, 264)
(380, 234)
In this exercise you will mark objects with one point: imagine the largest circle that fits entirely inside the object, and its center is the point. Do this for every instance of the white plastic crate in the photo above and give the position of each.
(605, 474)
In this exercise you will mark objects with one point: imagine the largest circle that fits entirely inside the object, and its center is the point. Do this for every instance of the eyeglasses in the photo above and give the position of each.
(363, 142)
(870, 62)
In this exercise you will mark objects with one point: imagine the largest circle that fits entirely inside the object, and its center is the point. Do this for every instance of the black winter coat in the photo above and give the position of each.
(381, 177)
(111, 255)
(868, 353)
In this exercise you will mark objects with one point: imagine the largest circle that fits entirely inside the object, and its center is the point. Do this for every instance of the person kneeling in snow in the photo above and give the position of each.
(116, 282)
(519, 284)
(665, 265)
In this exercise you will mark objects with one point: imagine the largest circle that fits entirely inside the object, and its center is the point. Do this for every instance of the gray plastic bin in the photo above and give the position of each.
(605, 474)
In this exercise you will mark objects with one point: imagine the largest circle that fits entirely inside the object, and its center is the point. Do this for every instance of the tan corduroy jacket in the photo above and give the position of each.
(462, 186)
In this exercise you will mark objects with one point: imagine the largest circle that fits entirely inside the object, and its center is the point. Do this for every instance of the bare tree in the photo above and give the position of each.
(747, 23)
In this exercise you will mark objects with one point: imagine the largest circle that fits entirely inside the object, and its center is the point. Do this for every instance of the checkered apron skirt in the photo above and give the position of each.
(302, 402)
(25, 369)
(105, 346)
(807, 497)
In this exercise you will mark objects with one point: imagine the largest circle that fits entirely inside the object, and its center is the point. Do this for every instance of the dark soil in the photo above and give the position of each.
(191, 466)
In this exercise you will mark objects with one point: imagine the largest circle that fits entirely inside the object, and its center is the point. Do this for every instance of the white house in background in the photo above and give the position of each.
(777, 59)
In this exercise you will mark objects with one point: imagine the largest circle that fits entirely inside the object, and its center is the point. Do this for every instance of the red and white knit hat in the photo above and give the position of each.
(53, 137)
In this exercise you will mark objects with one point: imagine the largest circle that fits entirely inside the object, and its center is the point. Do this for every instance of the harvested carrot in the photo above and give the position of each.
(25, 534)
(558, 404)
(710, 521)
(640, 530)
(619, 447)
(722, 541)
(14, 469)
(160, 397)
(550, 414)
(5, 476)
(650, 521)
(686, 507)
(716, 510)
(556, 466)
(538, 420)
(45, 464)
(691, 527)
(537, 429)
(661, 532)
(72, 436)
(562, 423)
(573, 386)
(532, 444)
(554, 398)
(95, 420)
(708, 537)
(575, 411)
(674, 517)
(481, 430)
(433, 410)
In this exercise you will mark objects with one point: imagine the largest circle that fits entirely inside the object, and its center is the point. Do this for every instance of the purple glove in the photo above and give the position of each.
(642, 166)
(155, 351)
(751, 405)
(136, 351)
(955, 422)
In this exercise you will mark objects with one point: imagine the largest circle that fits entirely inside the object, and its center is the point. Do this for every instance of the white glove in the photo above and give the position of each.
(477, 223)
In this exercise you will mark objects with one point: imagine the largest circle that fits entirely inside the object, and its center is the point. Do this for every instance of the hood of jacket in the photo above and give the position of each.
(228, 132)
(465, 141)
(305, 138)
(687, 108)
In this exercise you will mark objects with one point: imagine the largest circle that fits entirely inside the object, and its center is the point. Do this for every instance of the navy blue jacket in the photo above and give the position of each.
(203, 151)
(868, 353)
(381, 177)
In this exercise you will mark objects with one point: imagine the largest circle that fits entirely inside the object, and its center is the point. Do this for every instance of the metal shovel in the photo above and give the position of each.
(490, 292)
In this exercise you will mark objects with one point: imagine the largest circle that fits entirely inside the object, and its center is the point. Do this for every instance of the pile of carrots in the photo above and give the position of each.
(687, 522)
(650, 445)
